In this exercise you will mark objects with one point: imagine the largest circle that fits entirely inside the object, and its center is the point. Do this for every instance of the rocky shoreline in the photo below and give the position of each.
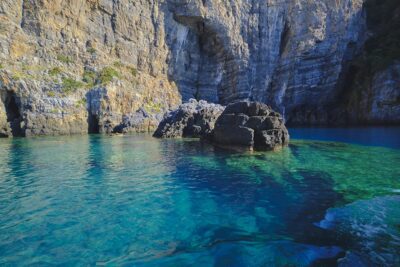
(241, 125)
(107, 66)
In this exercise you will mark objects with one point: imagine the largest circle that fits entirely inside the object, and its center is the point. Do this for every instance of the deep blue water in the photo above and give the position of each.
(369, 136)
(139, 201)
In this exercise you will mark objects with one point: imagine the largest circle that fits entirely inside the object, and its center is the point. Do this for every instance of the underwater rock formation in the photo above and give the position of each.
(373, 225)
(252, 125)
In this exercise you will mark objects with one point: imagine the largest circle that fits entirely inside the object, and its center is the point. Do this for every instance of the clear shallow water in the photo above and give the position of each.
(138, 201)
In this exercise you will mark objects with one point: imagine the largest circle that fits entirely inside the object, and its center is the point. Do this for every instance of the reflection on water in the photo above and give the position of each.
(135, 200)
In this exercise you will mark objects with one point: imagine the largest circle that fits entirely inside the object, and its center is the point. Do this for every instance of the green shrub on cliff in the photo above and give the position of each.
(81, 103)
(89, 77)
(107, 74)
(55, 71)
(64, 59)
(133, 71)
(1, 66)
(152, 107)
(21, 75)
(127, 68)
(51, 94)
(118, 64)
(71, 85)
(91, 50)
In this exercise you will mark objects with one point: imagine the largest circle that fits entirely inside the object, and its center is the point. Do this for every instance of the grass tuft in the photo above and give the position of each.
(64, 59)
(55, 71)
(107, 74)
(70, 85)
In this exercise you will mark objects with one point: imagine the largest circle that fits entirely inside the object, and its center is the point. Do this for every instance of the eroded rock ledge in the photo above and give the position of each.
(251, 125)
(245, 125)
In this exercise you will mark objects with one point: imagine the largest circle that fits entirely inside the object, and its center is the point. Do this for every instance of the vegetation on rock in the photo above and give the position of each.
(107, 74)
(91, 50)
(64, 59)
(51, 94)
(55, 71)
(71, 85)
(89, 77)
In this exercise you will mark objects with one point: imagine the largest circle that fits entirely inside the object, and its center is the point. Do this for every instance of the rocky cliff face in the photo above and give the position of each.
(286, 53)
(81, 66)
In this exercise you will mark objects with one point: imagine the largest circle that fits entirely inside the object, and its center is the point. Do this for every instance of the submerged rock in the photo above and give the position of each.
(373, 228)
(252, 125)
(192, 119)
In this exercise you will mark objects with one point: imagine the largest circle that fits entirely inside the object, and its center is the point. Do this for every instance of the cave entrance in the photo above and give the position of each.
(14, 117)
(93, 122)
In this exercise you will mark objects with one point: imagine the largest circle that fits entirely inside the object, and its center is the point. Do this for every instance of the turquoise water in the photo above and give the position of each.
(139, 201)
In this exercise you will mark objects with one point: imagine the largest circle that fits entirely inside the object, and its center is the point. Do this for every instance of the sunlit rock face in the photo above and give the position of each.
(84, 66)
(152, 55)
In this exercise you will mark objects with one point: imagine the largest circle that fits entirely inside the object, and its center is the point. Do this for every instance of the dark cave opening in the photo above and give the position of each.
(93, 122)
(14, 117)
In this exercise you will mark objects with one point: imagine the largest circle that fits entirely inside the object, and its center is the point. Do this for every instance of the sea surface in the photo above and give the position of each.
(332, 198)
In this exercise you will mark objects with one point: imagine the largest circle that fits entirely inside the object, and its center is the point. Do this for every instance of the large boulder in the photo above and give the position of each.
(192, 119)
(251, 125)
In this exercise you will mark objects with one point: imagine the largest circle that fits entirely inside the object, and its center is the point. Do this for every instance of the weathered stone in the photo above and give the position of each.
(238, 107)
(255, 122)
(271, 139)
(140, 121)
(260, 132)
(258, 109)
(192, 119)
(232, 119)
(272, 122)
(234, 136)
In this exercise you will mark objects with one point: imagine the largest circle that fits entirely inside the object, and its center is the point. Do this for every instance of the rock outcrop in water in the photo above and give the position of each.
(250, 125)
(84, 66)
(192, 119)
(244, 124)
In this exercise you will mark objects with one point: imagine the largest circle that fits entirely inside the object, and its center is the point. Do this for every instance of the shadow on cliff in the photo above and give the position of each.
(201, 65)
(14, 117)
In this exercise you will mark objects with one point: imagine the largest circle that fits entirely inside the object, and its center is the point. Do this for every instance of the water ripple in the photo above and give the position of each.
(139, 201)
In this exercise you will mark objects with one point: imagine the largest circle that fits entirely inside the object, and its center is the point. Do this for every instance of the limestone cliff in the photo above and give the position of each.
(81, 66)
(78, 66)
